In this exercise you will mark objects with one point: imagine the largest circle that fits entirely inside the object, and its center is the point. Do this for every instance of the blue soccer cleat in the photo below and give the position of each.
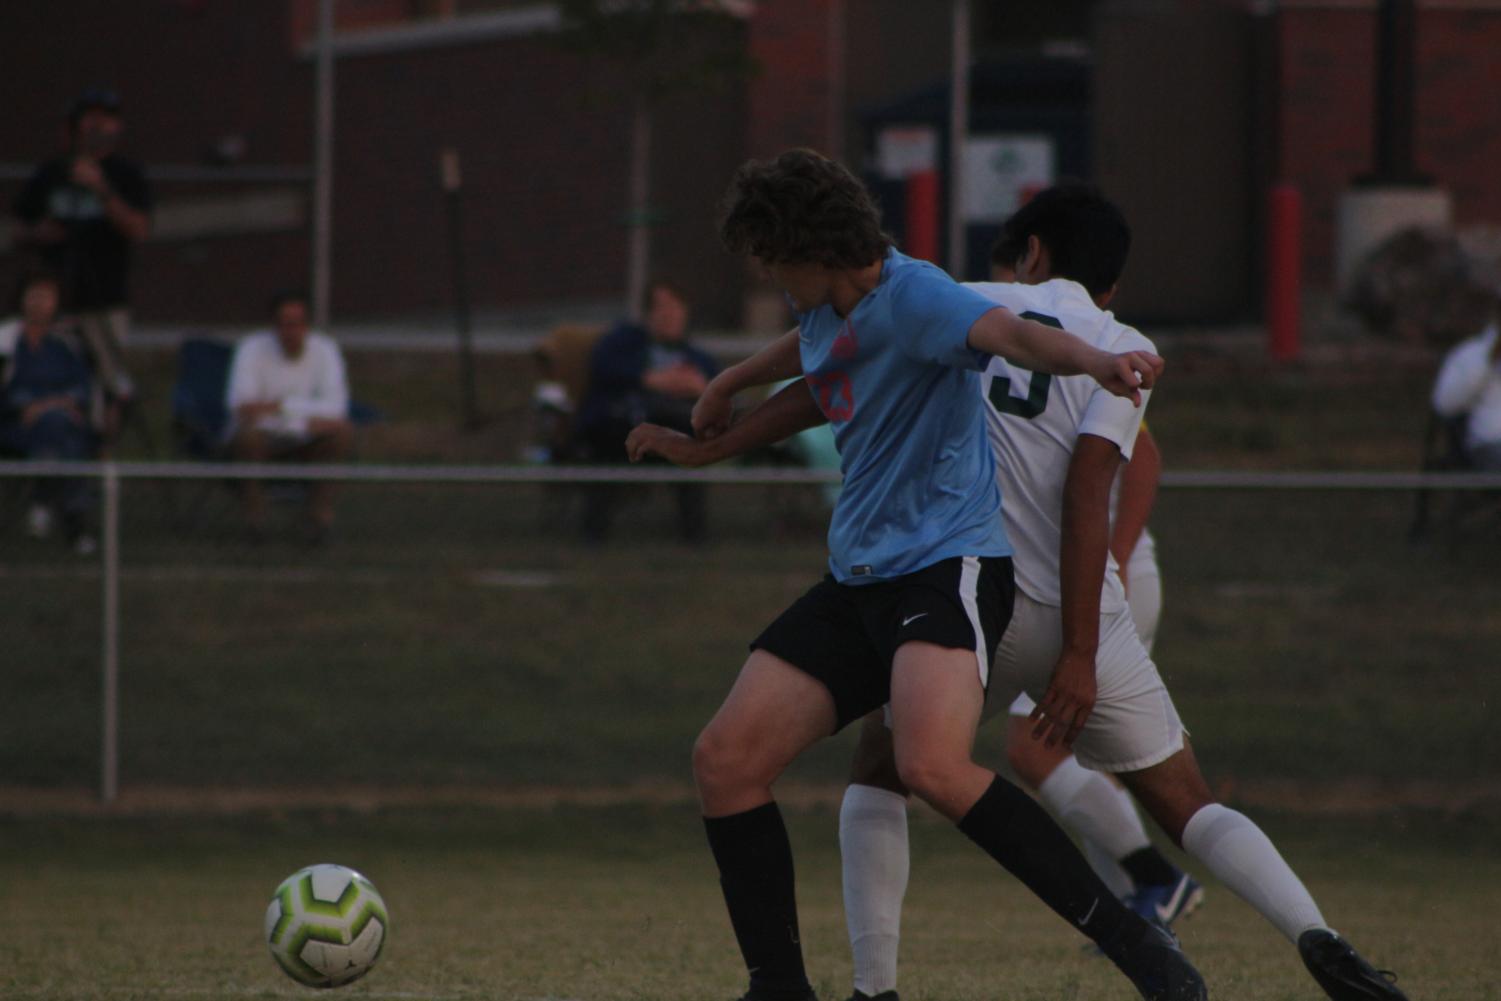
(1164, 903)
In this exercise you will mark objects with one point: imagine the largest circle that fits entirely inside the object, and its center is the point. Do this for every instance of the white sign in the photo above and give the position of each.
(1002, 171)
(904, 150)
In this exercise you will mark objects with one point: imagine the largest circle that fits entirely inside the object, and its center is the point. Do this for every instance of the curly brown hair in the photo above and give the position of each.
(802, 207)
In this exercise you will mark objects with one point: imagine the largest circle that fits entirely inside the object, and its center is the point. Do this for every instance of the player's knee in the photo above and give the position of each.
(720, 763)
(878, 769)
(874, 763)
(928, 772)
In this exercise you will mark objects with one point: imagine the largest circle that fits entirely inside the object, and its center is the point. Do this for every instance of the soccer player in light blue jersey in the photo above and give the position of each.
(920, 584)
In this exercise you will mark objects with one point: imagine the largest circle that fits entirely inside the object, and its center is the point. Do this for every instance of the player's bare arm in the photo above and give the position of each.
(1064, 707)
(1041, 348)
(1137, 497)
(790, 410)
(778, 360)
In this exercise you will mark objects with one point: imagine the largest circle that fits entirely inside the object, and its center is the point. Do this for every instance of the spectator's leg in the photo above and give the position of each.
(331, 446)
(50, 438)
(606, 445)
(250, 445)
(104, 333)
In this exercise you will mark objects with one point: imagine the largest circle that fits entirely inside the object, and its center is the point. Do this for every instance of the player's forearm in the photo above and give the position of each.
(781, 359)
(1138, 496)
(790, 410)
(1033, 345)
(1086, 538)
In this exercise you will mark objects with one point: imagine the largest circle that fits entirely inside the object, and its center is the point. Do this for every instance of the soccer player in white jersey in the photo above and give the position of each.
(920, 573)
(1096, 808)
(1071, 643)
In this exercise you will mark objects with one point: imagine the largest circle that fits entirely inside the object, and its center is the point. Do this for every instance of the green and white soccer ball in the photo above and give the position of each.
(326, 925)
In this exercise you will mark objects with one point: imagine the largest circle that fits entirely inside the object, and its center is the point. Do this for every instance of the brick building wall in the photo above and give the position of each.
(543, 134)
(1326, 109)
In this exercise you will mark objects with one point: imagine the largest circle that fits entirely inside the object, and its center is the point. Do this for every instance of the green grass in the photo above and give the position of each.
(1302, 639)
(1320, 661)
(622, 903)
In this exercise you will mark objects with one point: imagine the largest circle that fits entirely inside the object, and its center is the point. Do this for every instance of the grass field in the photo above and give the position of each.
(621, 903)
(457, 645)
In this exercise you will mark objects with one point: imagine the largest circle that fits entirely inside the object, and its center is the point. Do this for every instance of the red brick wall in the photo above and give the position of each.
(543, 135)
(1459, 108)
(1326, 111)
(789, 100)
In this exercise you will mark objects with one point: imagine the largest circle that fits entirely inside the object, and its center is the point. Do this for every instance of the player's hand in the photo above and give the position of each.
(1128, 373)
(674, 446)
(1066, 705)
(712, 413)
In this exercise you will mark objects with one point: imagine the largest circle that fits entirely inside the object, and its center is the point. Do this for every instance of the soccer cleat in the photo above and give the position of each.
(1164, 903)
(1160, 971)
(779, 996)
(1341, 971)
(883, 996)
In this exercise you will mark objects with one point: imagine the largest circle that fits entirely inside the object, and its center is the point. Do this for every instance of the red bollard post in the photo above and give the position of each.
(922, 215)
(1284, 272)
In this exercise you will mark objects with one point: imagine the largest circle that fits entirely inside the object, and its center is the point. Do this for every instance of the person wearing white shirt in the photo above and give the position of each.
(1469, 385)
(288, 400)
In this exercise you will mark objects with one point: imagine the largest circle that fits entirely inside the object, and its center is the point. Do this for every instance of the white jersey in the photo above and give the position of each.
(1034, 419)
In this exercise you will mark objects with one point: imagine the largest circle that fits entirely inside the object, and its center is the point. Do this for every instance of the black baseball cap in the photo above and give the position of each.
(94, 99)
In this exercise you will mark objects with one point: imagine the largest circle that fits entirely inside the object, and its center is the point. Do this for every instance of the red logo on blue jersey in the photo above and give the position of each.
(835, 395)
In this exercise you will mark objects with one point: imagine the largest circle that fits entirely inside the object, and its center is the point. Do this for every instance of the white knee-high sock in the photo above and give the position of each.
(1100, 812)
(1245, 860)
(873, 843)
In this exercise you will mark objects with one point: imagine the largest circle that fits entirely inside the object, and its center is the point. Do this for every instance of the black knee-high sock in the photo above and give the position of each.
(1019, 834)
(1149, 867)
(755, 873)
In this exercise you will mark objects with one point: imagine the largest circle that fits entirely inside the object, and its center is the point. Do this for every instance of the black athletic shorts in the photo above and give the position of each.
(846, 635)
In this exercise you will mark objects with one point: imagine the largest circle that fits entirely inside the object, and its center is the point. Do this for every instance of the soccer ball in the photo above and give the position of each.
(326, 925)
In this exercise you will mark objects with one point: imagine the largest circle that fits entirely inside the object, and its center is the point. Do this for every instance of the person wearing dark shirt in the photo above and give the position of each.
(82, 213)
(639, 372)
(44, 403)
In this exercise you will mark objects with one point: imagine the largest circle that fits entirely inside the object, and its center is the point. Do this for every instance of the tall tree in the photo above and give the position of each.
(663, 47)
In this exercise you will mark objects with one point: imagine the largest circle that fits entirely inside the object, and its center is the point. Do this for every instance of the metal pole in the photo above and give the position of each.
(109, 784)
(837, 44)
(453, 184)
(958, 136)
(639, 253)
(323, 183)
(1395, 82)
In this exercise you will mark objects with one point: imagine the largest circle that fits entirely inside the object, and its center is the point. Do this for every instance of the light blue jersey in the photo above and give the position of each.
(899, 384)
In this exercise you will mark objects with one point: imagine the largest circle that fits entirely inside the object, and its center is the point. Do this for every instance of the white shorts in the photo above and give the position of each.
(1134, 724)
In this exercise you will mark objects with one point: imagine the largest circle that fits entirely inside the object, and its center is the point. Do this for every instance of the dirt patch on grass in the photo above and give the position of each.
(1350, 797)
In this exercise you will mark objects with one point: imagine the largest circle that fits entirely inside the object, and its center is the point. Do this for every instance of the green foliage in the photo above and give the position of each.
(664, 46)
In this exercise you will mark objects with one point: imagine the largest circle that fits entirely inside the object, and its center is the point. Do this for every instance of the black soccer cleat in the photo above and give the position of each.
(1159, 970)
(1341, 971)
(777, 996)
(883, 996)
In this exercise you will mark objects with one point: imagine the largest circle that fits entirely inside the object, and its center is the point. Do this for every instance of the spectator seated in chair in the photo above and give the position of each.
(1469, 388)
(288, 400)
(646, 372)
(45, 398)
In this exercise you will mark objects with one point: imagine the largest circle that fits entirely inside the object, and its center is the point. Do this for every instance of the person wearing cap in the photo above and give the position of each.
(82, 213)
